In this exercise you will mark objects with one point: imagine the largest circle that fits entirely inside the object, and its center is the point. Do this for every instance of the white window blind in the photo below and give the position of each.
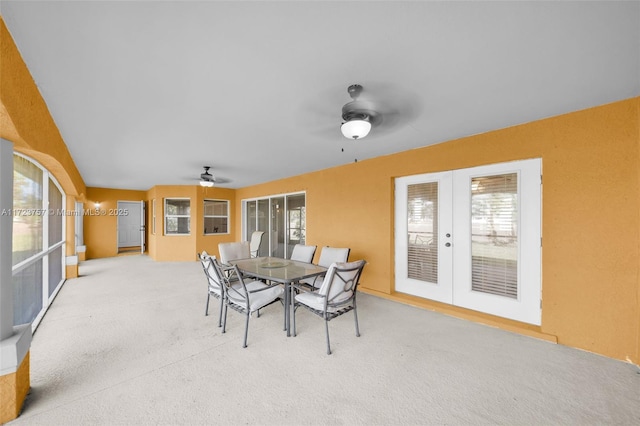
(494, 235)
(216, 217)
(422, 226)
(177, 213)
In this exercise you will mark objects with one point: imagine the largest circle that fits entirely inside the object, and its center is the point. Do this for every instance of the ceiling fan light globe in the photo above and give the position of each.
(355, 129)
(206, 183)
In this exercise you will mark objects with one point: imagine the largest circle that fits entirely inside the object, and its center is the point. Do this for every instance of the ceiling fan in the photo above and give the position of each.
(358, 115)
(378, 108)
(206, 178)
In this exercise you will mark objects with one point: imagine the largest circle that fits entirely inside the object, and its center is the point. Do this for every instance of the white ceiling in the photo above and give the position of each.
(145, 93)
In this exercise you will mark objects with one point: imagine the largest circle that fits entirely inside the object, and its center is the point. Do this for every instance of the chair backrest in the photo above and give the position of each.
(330, 255)
(213, 277)
(233, 251)
(256, 240)
(234, 285)
(303, 253)
(341, 282)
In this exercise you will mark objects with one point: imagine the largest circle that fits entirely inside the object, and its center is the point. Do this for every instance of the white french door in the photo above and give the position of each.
(424, 224)
(471, 238)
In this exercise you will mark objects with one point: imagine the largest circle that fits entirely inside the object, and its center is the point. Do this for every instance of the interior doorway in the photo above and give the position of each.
(131, 226)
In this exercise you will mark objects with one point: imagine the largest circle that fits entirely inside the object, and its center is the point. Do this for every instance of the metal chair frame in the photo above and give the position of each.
(337, 275)
(236, 291)
(212, 281)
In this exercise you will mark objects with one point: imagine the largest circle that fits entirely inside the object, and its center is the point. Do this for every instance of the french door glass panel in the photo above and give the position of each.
(494, 234)
(490, 220)
(423, 221)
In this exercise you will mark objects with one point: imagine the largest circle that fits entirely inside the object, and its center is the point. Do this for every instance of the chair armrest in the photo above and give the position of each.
(303, 287)
(257, 290)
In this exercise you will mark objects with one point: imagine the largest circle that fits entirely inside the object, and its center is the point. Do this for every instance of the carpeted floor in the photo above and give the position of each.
(127, 343)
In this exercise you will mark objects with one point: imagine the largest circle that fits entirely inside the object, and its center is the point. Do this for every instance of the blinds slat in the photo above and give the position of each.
(495, 234)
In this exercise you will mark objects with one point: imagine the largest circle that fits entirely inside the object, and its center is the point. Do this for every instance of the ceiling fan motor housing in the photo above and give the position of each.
(206, 175)
(359, 109)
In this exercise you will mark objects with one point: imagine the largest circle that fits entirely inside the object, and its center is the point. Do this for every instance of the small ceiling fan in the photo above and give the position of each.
(206, 178)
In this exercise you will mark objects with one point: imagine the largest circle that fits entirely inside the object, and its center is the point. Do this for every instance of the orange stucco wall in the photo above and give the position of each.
(590, 219)
(185, 247)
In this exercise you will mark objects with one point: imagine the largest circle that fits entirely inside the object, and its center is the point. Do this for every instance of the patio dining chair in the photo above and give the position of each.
(303, 253)
(233, 251)
(245, 297)
(256, 241)
(336, 295)
(215, 287)
(328, 256)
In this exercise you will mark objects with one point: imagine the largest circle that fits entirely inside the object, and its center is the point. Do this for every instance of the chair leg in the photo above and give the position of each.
(206, 309)
(294, 320)
(355, 314)
(292, 298)
(326, 326)
(221, 307)
(246, 331)
(224, 322)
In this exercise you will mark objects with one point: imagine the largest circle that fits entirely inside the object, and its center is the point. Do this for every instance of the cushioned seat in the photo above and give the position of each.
(303, 253)
(328, 255)
(233, 251)
(245, 296)
(336, 295)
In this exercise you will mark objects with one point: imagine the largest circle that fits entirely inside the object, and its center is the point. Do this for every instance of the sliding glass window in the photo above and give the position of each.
(281, 217)
(38, 240)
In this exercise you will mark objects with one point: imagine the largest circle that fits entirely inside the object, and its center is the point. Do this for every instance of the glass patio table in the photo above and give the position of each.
(283, 271)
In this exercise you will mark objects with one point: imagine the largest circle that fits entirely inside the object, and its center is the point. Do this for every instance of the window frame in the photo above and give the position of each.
(167, 216)
(153, 216)
(205, 216)
(44, 256)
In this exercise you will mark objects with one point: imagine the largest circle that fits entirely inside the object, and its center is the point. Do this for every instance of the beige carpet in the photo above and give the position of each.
(127, 343)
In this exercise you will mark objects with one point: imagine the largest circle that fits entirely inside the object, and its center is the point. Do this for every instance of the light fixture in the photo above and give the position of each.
(356, 128)
(358, 115)
(97, 205)
(206, 183)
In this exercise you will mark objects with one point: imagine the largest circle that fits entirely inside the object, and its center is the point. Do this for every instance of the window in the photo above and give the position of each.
(177, 216)
(153, 216)
(216, 217)
(282, 218)
(38, 240)
(28, 220)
